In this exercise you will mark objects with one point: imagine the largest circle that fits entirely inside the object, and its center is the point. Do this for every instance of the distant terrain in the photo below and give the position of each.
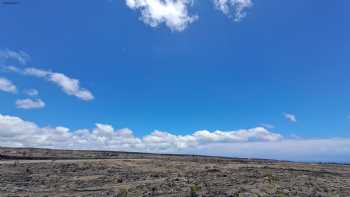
(44, 172)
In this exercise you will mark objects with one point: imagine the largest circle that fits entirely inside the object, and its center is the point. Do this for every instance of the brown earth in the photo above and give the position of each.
(43, 172)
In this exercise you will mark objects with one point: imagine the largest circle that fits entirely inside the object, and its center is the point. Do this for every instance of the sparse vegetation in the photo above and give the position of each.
(123, 192)
(194, 190)
(271, 177)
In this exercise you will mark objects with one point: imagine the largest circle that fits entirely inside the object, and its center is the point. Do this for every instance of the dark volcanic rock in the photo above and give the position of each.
(39, 172)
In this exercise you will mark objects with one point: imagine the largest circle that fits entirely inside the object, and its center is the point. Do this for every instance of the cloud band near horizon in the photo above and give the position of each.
(252, 143)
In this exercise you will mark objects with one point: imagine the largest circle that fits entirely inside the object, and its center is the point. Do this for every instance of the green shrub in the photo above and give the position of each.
(194, 190)
(123, 192)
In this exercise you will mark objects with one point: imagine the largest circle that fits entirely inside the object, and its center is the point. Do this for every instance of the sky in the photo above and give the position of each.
(240, 78)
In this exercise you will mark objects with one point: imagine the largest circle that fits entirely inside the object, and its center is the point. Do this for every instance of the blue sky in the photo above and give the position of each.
(199, 68)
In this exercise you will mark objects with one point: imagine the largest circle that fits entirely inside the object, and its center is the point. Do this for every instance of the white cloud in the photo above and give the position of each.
(234, 8)
(36, 72)
(163, 141)
(268, 126)
(19, 56)
(255, 134)
(31, 92)
(10, 69)
(252, 143)
(69, 85)
(173, 13)
(7, 86)
(29, 104)
(290, 117)
(15, 131)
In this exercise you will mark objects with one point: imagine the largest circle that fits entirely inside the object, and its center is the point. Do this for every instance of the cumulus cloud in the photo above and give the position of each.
(69, 85)
(29, 104)
(163, 141)
(7, 86)
(15, 131)
(19, 56)
(252, 143)
(255, 134)
(31, 92)
(233, 8)
(290, 117)
(173, 13)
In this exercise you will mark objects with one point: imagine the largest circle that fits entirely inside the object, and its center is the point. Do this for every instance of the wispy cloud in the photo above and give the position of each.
(7, 86)
(268, 126)
(290, 117)
(29, 104)
(234, 8)
(31, 92)
(19, 56)
(173, 13)
(256, 142)
(69, 85)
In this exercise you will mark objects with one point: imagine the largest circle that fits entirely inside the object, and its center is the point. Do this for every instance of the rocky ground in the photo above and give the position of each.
(39, 172)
